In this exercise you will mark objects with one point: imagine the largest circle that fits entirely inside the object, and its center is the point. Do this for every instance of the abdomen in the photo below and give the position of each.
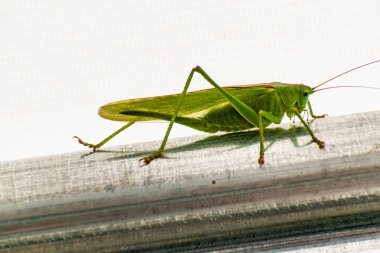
(226, 119)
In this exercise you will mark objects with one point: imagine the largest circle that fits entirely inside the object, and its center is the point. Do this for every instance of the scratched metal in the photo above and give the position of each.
(209, 194)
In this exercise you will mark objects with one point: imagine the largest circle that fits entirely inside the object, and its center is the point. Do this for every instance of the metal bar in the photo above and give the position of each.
(209, 194)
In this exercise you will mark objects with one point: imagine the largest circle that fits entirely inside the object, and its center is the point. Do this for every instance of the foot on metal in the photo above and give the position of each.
(320, 143)
(146, 160)
(319, 116)
(261, 160)
(94, 147)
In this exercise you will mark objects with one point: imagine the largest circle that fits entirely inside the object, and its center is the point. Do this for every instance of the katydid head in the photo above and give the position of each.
(303, 96)
(294, 95)
(288, 93)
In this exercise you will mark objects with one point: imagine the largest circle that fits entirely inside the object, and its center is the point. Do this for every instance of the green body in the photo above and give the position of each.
(209, 111)
(219, 109)
(224, 109)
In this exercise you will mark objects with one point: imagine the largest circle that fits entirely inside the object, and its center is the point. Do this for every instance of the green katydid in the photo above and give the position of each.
(225, 109)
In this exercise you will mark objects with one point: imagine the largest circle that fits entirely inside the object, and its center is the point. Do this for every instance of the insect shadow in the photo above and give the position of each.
(234, 140)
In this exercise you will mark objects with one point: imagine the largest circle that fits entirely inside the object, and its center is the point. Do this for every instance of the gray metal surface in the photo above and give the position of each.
(209, 194)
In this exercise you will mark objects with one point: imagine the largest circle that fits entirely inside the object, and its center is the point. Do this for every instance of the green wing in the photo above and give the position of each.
(194, 106)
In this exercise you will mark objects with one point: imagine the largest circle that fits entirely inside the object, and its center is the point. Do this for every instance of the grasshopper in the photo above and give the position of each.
(225, 109)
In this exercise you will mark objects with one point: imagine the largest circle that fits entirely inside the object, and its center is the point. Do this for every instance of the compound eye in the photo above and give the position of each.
(305, 93)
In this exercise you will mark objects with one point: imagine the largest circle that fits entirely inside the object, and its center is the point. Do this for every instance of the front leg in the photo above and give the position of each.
(320, 143)
(312, 114)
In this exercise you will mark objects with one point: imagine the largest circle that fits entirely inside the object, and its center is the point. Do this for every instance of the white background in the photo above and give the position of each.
(61, 60)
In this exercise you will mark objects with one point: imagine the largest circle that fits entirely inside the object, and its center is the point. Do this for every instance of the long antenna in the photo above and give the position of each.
(348, 71)
(348, 86)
